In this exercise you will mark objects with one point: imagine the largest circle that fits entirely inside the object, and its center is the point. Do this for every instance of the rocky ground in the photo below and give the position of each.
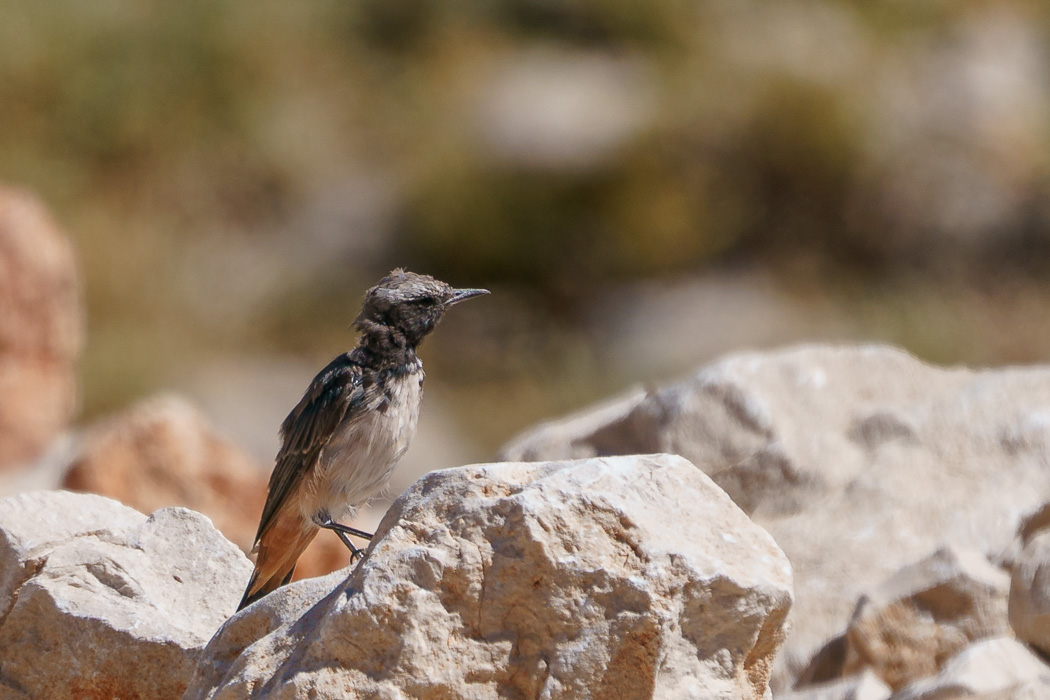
(816, 522)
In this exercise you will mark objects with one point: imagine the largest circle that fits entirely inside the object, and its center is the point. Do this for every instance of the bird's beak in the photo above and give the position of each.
(464, 294)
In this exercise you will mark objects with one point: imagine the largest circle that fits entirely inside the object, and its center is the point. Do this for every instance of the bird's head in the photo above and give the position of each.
(408, 305)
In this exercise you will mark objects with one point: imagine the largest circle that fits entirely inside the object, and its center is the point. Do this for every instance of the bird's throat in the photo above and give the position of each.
(384, 346)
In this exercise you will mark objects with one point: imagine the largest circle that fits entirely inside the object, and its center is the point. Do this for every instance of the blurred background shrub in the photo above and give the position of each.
(643, 185)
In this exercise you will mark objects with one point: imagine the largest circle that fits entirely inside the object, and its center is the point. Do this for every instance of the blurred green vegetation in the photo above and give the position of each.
(774, 135)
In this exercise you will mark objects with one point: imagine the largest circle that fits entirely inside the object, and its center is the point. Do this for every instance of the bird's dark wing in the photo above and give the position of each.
(336, 391)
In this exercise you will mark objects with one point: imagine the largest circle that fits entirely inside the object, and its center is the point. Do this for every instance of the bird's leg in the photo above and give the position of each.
(339, 527)
(343, 532)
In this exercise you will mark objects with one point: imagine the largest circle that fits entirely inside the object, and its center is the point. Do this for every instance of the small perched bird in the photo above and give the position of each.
(341, 443)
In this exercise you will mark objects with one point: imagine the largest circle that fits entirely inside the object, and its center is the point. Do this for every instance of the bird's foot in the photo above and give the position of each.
(356, 553)
(344, 532)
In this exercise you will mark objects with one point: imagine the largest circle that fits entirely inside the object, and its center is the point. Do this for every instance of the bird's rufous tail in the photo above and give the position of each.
(278, 549)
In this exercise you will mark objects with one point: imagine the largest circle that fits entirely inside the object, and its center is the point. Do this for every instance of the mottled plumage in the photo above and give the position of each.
(341, 442)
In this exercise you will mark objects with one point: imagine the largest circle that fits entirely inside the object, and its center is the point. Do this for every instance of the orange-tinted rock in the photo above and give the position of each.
(162, 453)
(324, 555)
(40, 328)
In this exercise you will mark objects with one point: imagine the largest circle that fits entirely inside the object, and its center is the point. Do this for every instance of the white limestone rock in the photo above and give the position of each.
(863, 686)
(1001, 668)
(622, 577)
(100, 601)
(858, 460)
(33, 524)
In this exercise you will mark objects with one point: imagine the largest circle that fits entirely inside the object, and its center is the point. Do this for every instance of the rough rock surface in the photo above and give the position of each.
(925, 614)
(161, 452)
(992, 668)
(33, 524)
(1030, 593)
(40, 328)
(857, 460)
(99, 601)
(624, 577)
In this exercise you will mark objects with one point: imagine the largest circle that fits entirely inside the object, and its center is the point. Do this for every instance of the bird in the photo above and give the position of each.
(341, 442)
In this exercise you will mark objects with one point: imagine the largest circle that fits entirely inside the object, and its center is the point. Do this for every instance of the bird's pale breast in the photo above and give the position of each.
(358, 461)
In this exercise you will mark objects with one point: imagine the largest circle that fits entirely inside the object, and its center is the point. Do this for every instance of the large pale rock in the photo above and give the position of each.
(33, 524)
(926, 613)
(40, 328)
(161, 452)
(865, 686)
(624, 577)
(857, 460)
(1037, 689)
(992, 668)
(1030, 593)
(99, 601)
